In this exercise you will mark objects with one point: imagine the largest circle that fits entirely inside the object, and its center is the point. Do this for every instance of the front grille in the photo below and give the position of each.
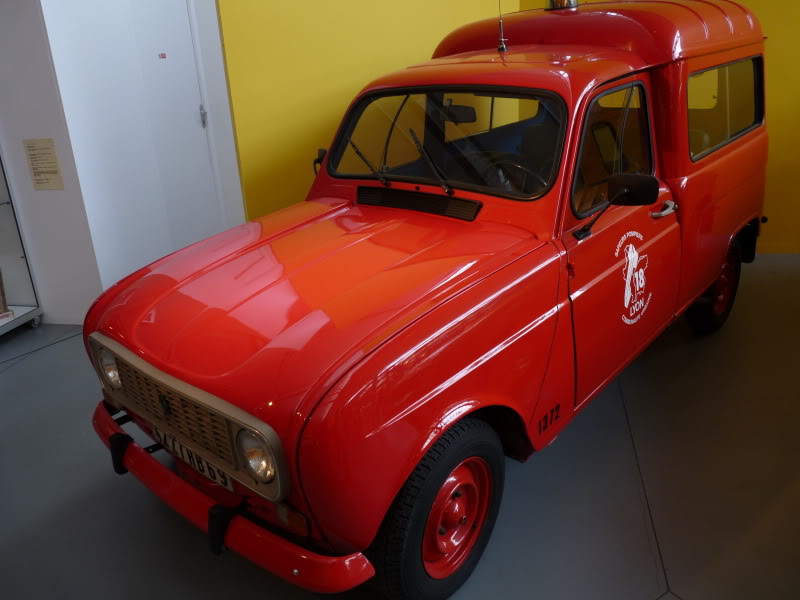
(175, 413)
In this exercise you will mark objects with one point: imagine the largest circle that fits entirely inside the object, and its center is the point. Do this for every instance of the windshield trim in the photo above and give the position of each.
(351, 118)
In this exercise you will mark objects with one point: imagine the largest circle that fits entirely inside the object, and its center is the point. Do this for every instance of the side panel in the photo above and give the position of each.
(625, 275)
(554, 410)
(489, 346)
(624, 289)
(716, 202)
(717, 195)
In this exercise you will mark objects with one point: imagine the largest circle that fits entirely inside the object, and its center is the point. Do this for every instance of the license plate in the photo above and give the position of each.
(194, 460)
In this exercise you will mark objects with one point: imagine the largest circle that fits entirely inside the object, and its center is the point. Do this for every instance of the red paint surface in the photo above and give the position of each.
(361, 333)
(323, 574)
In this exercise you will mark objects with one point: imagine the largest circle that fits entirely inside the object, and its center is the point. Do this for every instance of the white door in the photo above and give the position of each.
(173, 100)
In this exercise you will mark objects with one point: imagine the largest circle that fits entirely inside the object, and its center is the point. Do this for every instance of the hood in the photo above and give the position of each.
(261, 314)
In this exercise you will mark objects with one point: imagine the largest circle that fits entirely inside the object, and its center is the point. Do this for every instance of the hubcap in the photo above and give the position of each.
(457, 517)
(725, 286)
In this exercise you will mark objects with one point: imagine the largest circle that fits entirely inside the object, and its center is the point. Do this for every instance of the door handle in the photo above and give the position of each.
(669, 208)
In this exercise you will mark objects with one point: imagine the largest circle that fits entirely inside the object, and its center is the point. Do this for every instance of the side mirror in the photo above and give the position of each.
(625, 190)
(318, 161)
(633, 190)
(460, 113)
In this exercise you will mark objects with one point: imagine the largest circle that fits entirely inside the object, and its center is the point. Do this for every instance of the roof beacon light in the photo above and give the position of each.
(560, 4)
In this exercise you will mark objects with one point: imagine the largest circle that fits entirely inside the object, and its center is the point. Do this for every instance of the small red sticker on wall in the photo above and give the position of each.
(162, 55)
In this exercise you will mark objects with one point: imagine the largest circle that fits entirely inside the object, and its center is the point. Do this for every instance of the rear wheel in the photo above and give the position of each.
(709, 313)
(440, 522)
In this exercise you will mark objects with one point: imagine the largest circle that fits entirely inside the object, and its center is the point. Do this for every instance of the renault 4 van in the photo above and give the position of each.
(491, 238)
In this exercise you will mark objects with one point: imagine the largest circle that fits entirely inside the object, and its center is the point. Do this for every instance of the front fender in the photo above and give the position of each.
(488, 346)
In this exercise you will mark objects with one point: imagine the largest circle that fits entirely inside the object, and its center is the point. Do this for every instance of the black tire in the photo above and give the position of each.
(397, 553)
(710, 312)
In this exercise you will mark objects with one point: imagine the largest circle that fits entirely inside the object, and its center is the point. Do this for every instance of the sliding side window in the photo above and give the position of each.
(724, 103)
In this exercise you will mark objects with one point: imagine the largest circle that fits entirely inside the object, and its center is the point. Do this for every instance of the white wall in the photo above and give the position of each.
(54, 223)
(94, 51)
(113, 215)
(142, 156)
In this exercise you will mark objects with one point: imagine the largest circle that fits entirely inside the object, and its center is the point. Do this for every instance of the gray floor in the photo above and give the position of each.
(681, 481)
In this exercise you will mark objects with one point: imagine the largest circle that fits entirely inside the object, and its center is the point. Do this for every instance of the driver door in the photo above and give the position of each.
(624, 277)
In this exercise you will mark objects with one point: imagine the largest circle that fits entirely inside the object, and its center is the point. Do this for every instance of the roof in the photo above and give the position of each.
(566, 69)
(658, 31)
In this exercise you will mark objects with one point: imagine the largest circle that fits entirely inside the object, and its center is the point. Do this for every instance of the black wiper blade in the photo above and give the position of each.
(448, 189)
(375, 171)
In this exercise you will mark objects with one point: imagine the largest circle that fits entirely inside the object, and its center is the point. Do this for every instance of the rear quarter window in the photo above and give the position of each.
(725, 102)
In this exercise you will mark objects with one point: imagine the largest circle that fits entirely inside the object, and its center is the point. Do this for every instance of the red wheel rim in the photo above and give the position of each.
(457, 518)
(726, 285)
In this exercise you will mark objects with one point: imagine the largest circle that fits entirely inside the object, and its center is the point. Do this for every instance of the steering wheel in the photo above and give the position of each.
(490, 173)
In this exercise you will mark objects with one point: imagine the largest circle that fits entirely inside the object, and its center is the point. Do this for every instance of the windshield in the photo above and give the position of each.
(493, 141)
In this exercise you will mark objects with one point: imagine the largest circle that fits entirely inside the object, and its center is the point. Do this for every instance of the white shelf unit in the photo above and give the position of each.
(14, 271)
(21, 316)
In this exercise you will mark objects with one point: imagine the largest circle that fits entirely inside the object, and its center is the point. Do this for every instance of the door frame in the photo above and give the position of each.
(570, 221)
(213, 79)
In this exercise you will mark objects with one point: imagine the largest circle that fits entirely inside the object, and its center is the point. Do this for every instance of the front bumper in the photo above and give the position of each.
(314, 572)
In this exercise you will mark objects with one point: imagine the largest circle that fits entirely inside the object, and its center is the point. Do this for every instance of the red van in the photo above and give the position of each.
(491, 238)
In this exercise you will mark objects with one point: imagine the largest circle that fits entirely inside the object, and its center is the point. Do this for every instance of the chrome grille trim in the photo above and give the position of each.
(219, 411)
(185, 418)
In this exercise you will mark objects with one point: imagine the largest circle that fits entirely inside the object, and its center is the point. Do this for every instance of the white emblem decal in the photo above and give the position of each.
(636, 299)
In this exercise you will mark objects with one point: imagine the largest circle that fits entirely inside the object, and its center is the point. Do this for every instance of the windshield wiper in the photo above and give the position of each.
(375, 171)
(448, 189)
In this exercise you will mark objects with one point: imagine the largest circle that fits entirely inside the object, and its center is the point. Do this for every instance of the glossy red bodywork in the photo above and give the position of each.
(361, 333)
(324, 574)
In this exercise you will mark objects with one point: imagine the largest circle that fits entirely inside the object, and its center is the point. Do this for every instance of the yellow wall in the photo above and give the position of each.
(294, 67)
(780, 19)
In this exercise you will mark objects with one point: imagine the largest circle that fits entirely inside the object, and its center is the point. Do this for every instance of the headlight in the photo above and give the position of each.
(256, 455)
(109, 369)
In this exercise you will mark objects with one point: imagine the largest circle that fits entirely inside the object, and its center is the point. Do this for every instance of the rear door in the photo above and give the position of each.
(624, 277)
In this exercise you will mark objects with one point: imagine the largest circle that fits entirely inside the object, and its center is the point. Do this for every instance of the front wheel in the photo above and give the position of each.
(439, 524)
(709, 313)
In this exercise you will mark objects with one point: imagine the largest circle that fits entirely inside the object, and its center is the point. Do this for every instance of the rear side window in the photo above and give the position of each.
(724, 103)
(616, 139)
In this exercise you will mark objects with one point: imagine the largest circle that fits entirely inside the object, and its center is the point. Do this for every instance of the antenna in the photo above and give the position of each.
(502, 46)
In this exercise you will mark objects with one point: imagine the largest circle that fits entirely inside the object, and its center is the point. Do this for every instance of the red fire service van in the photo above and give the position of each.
(490, 239)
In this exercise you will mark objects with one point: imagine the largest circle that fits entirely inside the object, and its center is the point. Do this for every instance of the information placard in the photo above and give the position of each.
(43, 162)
